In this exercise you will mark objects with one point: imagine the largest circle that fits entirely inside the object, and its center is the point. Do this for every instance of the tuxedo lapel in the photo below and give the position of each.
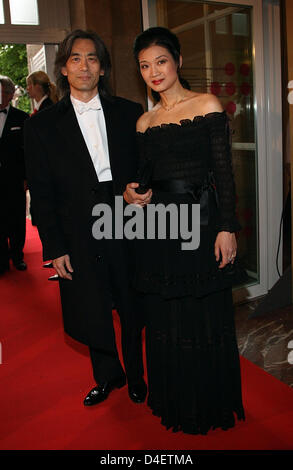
(8, 123)
(68, 126)
(112, 128)
(120, 120)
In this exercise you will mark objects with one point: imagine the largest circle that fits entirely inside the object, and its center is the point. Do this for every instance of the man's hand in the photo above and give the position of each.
(132, 197)
(63, 267)
(226, 245)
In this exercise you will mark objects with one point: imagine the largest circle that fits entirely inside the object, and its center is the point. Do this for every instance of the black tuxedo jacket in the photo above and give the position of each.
(12, 167)
(46, 104)
(64, 188)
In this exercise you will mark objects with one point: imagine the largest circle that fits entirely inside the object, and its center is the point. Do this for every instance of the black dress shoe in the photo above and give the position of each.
(21, 266)
(102, 391)
(137, 392)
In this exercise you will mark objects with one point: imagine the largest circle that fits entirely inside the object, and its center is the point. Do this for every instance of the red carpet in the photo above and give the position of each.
(45, 376)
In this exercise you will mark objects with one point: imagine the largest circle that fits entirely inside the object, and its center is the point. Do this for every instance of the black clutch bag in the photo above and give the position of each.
(145, 177)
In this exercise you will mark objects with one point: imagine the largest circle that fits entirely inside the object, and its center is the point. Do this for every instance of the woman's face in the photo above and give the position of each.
(158, 68)
(33, 90)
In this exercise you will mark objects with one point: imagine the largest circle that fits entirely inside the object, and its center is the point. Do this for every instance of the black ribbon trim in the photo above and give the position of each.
(199, 193)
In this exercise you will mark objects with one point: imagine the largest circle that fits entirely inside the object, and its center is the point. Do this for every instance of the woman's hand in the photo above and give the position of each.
(226, 246)
(132, 197)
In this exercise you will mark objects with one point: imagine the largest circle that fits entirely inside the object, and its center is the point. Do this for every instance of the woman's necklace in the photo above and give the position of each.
(171, 106)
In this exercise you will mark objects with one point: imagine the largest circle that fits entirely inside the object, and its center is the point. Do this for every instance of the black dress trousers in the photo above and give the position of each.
(106, 364)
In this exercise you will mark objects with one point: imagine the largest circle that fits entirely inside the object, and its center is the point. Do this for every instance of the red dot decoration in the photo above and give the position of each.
(230, 88)
(245, 88)
(229, 68)
(231, 107)
(244, 69)
(215, 88)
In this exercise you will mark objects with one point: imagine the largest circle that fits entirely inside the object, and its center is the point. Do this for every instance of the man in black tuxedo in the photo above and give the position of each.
(88, 156)
(12, 179)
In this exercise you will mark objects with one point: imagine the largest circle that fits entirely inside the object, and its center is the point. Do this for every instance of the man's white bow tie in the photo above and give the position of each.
(83, 107)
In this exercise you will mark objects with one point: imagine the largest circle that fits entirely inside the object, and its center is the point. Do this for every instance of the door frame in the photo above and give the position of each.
(54, 24)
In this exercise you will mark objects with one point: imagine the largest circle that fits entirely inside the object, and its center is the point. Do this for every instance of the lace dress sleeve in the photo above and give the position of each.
(221, 164)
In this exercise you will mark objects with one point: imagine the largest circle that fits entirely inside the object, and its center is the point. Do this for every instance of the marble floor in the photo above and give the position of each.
(267, 340)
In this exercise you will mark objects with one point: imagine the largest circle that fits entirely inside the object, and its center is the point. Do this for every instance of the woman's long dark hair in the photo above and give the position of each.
(159, 36)
(64, 53)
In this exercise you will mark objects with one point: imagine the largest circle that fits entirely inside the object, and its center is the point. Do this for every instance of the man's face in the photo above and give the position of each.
(83, 69)
(6, 97)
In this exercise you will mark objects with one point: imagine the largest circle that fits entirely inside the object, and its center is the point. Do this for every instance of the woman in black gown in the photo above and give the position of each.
(192, 355)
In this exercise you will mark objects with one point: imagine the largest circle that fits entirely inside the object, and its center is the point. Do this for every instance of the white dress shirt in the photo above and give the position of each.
(92, 123)
(3, 117)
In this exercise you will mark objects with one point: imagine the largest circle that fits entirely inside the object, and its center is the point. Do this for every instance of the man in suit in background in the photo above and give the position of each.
(12, 179)
(88, 156)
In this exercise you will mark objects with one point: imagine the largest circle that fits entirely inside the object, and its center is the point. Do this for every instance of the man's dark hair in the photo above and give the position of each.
(64, 53)
(7, 84)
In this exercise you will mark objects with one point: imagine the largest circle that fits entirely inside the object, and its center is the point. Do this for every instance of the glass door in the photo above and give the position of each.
(222, 49)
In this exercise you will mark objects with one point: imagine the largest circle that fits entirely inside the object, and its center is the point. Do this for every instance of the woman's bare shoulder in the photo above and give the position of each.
(210, 104)
(144, 121)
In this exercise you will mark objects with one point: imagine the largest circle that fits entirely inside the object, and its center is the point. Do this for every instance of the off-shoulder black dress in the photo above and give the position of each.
(192, 355)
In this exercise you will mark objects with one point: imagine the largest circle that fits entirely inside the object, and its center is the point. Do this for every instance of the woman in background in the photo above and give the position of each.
(41, 90)
(192, 355)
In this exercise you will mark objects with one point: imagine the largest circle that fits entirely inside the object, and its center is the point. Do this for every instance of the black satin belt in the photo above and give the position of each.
(199, 193)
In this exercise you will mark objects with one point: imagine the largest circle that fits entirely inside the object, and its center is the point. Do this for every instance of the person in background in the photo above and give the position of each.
(41, 90)
(12, 180)
(44, 94)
